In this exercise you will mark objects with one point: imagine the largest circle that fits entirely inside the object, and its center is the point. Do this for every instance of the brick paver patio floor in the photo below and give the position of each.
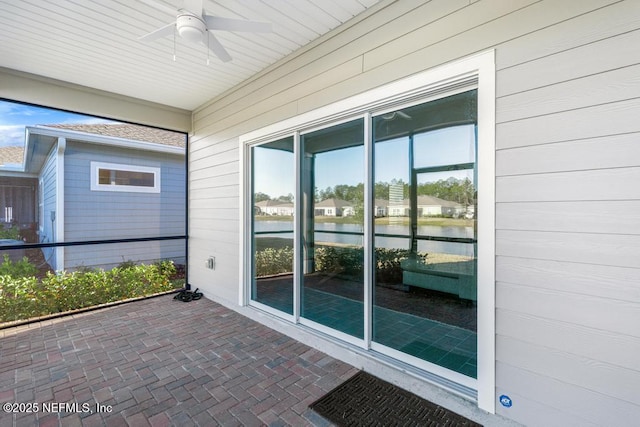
(161, 362)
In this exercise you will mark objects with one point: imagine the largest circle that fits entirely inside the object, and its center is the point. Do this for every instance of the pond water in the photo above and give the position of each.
(324, 233)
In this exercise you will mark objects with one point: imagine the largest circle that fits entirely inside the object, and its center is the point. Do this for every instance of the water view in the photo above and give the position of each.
(352, 234)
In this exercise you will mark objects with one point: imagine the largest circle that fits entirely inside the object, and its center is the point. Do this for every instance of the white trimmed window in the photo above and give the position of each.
(127, 178)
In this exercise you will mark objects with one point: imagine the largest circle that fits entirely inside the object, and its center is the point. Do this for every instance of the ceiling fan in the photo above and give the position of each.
(396, 114)
(195, 26)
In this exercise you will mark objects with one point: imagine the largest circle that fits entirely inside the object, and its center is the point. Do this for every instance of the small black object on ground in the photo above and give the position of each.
(364, 400)
(186, 295)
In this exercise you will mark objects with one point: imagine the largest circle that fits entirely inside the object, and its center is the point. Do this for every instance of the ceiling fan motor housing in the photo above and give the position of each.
(190, 27)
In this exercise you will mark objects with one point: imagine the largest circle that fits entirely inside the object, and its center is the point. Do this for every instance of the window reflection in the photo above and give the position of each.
(273, 211)
(425, 282)
(423, 210)
(332, 290)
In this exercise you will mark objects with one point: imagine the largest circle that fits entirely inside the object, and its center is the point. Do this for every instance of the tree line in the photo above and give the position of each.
(453, 189)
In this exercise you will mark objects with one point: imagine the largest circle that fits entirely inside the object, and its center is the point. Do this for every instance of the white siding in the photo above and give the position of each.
(567, 167)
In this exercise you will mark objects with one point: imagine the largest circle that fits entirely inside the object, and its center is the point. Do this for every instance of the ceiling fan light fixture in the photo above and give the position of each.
(195, 26)
(190, 28)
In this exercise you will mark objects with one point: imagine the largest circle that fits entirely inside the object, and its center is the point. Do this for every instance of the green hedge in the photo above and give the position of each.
(10, 232)
(24, 297)
(272, 261)
(344, 260)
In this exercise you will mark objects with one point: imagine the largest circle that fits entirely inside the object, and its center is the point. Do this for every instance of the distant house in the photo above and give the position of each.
(381, 207)
(334, 207)
(427, 206)
(274, 207)
(434, 206)
(79, 183)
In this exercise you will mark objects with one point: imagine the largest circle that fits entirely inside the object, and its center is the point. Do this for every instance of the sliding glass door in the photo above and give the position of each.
(272, 201)
(332, 186)
(425, 243)
(318, 211)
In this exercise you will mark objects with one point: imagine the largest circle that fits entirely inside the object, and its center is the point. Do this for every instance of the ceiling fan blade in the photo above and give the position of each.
(193, 6)
(216, 47)
(160, 6)
(167, 30)
(228, 24)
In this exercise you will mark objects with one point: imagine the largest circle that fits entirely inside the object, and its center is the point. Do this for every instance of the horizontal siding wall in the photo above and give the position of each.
(95, 215)
(567, 166)
(107, 256)
(568, 234)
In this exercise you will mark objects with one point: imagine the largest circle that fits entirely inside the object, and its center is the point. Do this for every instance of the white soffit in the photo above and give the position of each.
(94, 43)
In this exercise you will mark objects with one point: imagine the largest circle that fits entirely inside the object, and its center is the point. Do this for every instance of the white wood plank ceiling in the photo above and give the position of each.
(95, 43)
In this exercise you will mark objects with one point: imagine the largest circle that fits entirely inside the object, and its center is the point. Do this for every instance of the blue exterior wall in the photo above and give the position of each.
(48, 193)
(96, 215)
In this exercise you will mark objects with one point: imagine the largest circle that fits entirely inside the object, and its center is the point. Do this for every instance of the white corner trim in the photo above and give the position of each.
(244, 226)
(59, 221)
(486, 231)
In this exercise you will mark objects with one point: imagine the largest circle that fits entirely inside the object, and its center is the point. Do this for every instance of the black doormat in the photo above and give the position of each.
(364, 400)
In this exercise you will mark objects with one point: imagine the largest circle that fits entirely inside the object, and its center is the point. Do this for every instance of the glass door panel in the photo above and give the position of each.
(273, 186)
(332, 182)
(425, 291)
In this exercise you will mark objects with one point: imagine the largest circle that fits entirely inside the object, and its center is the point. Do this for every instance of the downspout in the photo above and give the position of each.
(59, 215)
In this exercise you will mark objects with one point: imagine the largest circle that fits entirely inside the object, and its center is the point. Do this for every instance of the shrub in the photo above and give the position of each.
(348, 261)
(18, 298)
(272, 261)
(26, 297)
(22, 268)
(344, 260)
(388, 268)
(9, 232)
(127, 264)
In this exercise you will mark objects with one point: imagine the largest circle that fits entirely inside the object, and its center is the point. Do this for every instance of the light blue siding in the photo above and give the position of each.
(48, 176)
(97, 215)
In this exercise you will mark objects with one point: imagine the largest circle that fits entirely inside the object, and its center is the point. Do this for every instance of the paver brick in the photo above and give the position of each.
(160, 362)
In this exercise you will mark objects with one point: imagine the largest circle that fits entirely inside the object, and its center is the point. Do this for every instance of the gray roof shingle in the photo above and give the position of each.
(11, 155)
(128, 131)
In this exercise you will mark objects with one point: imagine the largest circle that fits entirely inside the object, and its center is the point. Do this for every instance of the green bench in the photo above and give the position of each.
(456, 278)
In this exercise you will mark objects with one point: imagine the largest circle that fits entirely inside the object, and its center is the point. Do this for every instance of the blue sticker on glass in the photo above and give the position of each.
(506, 401)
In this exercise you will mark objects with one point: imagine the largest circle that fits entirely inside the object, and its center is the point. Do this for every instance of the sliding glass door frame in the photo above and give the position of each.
(362, 343)
(476, 72)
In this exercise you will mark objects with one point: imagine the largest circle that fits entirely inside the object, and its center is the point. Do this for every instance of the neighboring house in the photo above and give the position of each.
(428, 206)
(398, 210)
(334, 207)
(434, 206)
(381, 207)
(97, 182)
(274, 207)
(17, 194)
